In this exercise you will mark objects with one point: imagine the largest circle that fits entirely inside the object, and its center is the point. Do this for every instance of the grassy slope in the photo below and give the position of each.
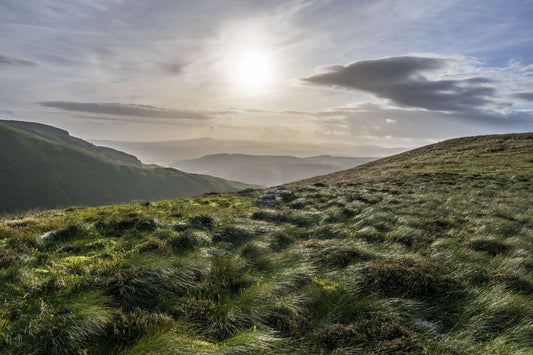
(37, 173)
(426, 252)
(61, 136)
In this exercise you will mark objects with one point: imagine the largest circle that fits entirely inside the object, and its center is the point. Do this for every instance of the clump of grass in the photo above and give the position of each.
(116, 227)
(257, 341)
(68, 233)
(281, 240)
(374, 333)
(148, 288)
(234, 234)
(341, 254)
(66, 328)
(298, 203)
(329, 231)
(269, 215)
(490, 246)
(129, 326)
(370, 234)
(184, 242)
(8, 258)
(496, 311)
(201, 221)
(409, 278)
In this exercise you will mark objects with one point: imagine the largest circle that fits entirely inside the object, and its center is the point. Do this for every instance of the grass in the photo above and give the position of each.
(428, 252)
(39, 173)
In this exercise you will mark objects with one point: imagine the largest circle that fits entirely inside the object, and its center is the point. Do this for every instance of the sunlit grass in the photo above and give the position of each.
(424, 259)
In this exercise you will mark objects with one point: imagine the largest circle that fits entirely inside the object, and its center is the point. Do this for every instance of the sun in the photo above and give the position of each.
(253, 70)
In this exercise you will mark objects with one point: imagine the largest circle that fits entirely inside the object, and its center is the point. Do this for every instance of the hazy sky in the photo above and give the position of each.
(393, 73)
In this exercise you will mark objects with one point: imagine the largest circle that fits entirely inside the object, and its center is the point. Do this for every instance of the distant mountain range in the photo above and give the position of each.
(168, 153)
(44, 167)
(267, 170)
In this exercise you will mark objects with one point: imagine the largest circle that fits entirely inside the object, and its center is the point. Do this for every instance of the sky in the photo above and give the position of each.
(381, 72)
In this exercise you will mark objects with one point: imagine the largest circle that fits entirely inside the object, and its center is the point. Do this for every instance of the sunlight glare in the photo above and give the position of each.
(253, 70)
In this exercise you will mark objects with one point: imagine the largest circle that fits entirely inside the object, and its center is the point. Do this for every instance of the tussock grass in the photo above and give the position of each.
(428, 252)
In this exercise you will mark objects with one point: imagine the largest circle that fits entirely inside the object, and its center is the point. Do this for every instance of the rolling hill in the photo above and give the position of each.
(61, 136)
(267, 170)
(41, 173)
(425, 252)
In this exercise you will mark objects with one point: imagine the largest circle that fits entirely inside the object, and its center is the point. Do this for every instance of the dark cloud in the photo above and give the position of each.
(125, 110)
(526, 96)
(402, 80)
(172, 67)
(15, 62)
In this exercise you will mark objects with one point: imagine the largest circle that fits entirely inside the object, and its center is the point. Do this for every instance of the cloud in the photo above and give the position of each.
(172, 67)
(125, 110)
(405, 81)
(15, 62)
(526, 96)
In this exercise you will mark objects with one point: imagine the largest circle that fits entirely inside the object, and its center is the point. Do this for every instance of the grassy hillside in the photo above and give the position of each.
(428, 252)
(38, 173)
(61, 136)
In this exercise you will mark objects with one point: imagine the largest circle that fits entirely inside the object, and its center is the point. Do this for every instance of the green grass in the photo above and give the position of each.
(428, 252)
(38, 173)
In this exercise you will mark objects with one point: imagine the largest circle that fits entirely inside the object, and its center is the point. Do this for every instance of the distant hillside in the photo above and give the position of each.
(428, 252)
(168, 152)
(58, 135)
(38, 173)
(267, 170)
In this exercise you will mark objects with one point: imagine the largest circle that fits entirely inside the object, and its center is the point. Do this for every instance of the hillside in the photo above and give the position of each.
(426, 252)
(38, 173)
(61, 136)
(267, 170)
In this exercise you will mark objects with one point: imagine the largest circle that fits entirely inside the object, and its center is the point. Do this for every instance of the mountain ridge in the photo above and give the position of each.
(62, 136)
(39, 173)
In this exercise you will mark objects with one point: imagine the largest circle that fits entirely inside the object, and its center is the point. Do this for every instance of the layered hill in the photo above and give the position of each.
(427, 252)
(267, 170)
(168, 153)
(45, 173)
